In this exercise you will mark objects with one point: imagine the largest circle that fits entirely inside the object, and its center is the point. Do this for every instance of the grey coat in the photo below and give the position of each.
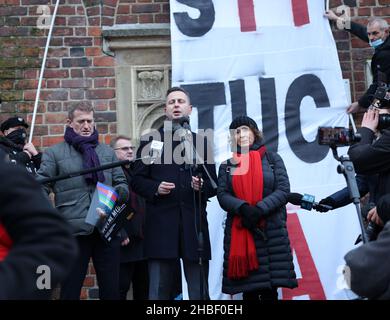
(276, 267)
(73, 196)
(370, 267)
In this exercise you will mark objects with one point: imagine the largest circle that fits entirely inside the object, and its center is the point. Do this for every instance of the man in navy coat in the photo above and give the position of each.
(171, 187)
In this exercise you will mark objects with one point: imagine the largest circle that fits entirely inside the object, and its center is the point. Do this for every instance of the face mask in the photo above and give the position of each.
(18, 136)
(375, 44)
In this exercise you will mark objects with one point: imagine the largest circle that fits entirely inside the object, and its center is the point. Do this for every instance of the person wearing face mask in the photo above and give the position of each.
(377, 35)
(252, 188)
(13, 143)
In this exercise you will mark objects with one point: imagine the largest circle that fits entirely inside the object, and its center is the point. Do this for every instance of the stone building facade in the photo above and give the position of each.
(114, 55)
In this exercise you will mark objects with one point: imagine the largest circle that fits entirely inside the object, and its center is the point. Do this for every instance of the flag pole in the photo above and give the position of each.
(42, 71)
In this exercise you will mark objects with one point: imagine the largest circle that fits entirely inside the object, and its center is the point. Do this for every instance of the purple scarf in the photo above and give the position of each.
(86, 146)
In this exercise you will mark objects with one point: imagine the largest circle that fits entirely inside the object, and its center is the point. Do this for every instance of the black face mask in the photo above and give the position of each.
(18, 136)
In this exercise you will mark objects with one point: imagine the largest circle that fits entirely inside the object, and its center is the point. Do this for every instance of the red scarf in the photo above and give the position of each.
(5, 242)
(248, 186)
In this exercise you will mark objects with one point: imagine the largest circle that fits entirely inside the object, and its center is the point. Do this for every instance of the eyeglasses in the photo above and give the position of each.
(125, 148)
(374, 33)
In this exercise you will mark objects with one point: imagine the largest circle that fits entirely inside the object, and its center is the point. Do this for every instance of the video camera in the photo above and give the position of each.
(382, 101)
(340, 136)
(382, 93)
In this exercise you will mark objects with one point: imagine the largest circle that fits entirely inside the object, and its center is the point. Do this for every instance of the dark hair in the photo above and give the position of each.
(244, 121)
(120, 137)
(80, 107)
(173, 89)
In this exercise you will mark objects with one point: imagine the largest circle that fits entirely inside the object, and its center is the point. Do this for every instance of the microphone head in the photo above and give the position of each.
(184, 122)
(295, 198)
(155, 150)
(307, 201)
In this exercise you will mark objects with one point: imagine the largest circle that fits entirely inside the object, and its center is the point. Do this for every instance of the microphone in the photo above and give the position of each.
(306, 201)
(155, 150)
(184, 122)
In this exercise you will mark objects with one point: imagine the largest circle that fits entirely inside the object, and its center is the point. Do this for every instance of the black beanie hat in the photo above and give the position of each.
(13, 122)
(243, 121)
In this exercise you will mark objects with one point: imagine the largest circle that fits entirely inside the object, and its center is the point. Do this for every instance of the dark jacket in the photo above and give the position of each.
(134, 228)
(380, 61)
(369, 267)
(373, 158)
(16, 155)
(40, 236)
(365, 183)
(171, 229)
(276, 267)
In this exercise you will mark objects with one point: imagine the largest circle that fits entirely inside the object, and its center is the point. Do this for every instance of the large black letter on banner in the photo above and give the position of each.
(196, 27)
(238, 98)
(205, 97)
(306, 85)
(269, 113)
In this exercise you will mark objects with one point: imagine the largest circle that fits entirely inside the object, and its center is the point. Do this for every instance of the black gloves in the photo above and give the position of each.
(328, 201)
(250, 216)
(123, 194)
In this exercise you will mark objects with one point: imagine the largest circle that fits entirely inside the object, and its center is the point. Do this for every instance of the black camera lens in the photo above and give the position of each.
(384, 121)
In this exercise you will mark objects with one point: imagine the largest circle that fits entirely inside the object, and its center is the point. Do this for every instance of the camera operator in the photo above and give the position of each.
(376, 33)
(369, 264)
(371, 155)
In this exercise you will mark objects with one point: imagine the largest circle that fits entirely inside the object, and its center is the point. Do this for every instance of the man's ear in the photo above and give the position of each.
(69, 122)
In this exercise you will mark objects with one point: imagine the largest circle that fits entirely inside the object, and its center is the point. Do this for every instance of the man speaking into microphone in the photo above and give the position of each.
(172, 210)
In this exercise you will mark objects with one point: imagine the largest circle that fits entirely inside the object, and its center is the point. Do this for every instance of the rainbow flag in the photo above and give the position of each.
(107, 195)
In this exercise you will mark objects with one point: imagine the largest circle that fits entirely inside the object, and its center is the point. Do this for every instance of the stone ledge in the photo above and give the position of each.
(137, 30)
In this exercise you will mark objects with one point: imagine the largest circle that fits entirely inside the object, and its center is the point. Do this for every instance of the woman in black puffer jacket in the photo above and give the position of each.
(252, 189)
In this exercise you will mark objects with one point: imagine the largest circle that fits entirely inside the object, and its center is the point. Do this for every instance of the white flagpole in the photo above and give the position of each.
(42, 71)
(326, 5)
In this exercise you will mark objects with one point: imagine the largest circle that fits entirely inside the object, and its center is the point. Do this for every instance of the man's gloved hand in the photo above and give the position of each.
(328, 201)
(123, 194)
(250, 216)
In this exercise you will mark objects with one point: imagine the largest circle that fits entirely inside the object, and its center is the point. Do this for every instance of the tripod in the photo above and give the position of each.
(347, 169)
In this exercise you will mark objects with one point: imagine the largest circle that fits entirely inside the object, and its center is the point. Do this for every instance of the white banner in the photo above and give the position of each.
(277, 62)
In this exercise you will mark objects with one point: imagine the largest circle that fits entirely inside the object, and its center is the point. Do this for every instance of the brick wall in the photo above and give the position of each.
(353, 52)
(78, 71)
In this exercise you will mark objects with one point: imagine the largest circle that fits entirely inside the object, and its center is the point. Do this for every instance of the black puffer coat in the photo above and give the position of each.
(276, 267)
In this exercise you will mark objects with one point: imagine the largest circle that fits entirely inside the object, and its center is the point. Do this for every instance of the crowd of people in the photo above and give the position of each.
(167, 198)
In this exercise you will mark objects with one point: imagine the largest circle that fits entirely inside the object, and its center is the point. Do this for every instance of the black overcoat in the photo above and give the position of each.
(171, 227)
